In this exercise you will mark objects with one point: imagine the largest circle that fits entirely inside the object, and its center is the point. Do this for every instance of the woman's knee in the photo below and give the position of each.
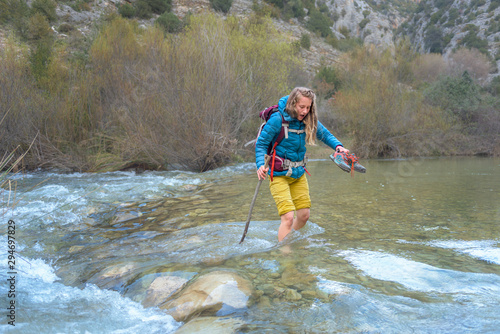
(303, 214)
(287, 218)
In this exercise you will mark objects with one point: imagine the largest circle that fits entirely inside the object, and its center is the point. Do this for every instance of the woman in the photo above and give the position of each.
(289, 185)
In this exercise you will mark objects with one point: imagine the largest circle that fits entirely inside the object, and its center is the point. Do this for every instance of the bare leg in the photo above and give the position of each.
(286, 225)
(301, 218)
(288, 221)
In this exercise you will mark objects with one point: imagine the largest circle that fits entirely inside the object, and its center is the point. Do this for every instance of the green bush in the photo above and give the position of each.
(305, 41)
(477, 3)
(494, 27)
(453, 14)
(383, 117)
(320, 23)
(442, 3)
(40, 58)
(296, 9)
(345, 31)
(18, 13)
(471, 17)
(65, 28)
(322, 7)
(169, 22)
(160, 6)
(332, 40)
(277, 3)
(265, 9)
(363, 23)
(436, 16)
(472, 40)
(494, 4)
(127, 10)
(39, 27)
(327, 81)
(443, 19)
(221, 5)
(447, 39)
(460, 96)
(349, 44)
(142, 9)
(81, 5)
(449, 24)
(433, 39)
(335, 16)
(295, 47)
(494, 87)
(4, 11)
(45, 7)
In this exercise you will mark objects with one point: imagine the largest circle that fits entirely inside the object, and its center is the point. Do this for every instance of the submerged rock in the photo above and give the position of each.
(211, 325)
(114, 277)
(121, 217)
(292, 295)
(264, 302)
(75, 249)
(291, 277)
(161, 289)
(218, 292)
(117, 271)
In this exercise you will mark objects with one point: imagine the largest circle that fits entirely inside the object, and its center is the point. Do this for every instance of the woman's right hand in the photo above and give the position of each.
(262, 172)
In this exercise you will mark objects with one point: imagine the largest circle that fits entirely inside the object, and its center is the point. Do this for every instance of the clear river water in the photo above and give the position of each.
(412, 246)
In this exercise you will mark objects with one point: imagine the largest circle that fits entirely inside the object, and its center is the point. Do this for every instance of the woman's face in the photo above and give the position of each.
(303, 106)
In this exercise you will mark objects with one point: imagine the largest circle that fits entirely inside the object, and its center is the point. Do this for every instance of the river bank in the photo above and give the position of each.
(319, 151)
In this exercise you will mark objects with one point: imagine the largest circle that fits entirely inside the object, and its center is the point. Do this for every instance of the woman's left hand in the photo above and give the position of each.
(342, 149)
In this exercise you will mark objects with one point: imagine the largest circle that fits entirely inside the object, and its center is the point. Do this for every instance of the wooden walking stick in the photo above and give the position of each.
(253, 201)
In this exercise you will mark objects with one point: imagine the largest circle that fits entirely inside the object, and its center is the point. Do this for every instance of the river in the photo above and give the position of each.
(412, 246)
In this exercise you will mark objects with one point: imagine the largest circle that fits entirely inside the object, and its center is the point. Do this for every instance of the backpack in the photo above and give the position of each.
(265, 115)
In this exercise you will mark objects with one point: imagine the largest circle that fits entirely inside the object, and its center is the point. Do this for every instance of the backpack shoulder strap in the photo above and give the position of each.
(284, 130)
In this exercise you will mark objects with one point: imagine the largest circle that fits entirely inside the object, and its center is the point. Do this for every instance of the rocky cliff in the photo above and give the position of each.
(438, 26)
(443, 26)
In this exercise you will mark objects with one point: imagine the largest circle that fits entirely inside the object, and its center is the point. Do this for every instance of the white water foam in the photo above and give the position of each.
(65, 198)
(46, 306)
(486, 250)
(420, 276)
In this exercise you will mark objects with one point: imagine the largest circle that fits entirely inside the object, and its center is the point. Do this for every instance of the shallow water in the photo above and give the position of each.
(412, 246)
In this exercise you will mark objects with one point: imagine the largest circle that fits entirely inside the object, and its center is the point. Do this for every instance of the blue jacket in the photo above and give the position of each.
(293, 147)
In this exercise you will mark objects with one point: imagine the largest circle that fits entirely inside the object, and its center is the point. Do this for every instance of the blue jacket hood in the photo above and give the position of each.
(282, 106)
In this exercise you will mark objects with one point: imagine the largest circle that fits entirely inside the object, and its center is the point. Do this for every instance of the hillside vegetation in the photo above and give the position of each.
(140, 87)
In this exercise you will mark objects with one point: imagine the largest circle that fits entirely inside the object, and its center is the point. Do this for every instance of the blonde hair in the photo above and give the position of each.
(311, 119)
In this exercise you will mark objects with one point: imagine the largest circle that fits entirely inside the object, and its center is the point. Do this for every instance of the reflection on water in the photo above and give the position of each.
(410, 246)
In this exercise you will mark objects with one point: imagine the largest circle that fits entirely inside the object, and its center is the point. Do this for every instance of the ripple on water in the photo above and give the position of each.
(221, 240)
(422, 277)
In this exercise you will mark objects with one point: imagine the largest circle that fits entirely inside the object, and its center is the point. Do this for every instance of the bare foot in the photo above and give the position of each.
(286, 250)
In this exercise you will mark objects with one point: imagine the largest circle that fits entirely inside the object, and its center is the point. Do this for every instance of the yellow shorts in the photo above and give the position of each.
(290, 194)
